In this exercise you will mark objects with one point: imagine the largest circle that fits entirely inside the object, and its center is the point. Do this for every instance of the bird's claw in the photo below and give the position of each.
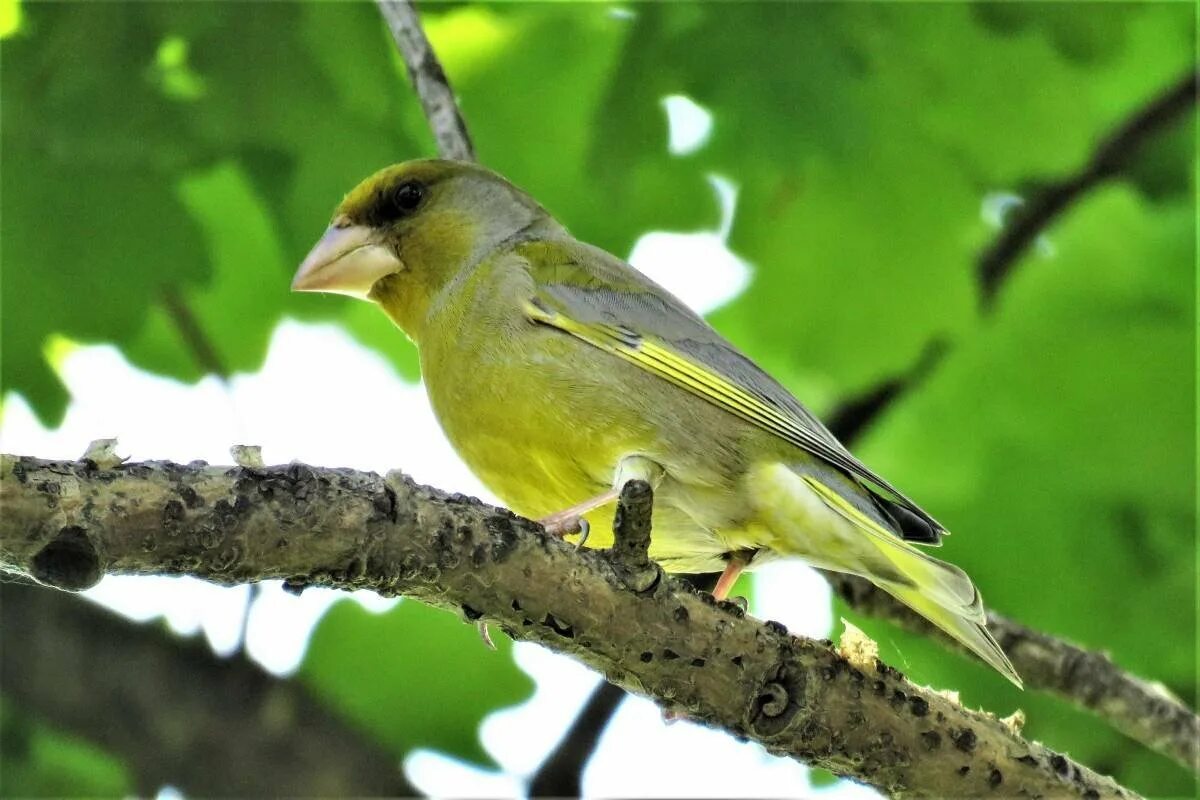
(485, 635)
(562, 527)
(567, 526)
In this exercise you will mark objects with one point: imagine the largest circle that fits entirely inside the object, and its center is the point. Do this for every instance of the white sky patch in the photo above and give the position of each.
(689, 124)
(520, 737)
(695, 267)
(997, 207)
(681, 759)
(437, 775)
(796, 595)
(698, 268)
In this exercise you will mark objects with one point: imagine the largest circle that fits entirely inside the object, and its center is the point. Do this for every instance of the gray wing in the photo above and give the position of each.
(614, 306)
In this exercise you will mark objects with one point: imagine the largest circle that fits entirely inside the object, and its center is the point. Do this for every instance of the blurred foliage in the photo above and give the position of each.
(166, 165)
(36, 761)
(413, 677)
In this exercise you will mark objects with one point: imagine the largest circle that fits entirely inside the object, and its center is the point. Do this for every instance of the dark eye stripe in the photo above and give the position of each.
(397, 202)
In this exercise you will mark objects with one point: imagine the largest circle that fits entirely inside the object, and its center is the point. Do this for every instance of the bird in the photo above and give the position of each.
(558, 372)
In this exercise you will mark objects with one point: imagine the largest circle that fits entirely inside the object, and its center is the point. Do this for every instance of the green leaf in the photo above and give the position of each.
(864, 137)
(87, 252)
(166, 167)
(37, 761)
(413, 677)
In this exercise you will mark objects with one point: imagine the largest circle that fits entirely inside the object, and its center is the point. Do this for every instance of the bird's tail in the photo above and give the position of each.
(944, 595)
(940, 592)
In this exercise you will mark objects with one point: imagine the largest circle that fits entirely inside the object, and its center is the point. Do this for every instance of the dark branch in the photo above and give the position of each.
(66, 520)
(561, 773)
(192, 333)
(173, 712)
(1113, 154)
(851, 418)
(630, 552)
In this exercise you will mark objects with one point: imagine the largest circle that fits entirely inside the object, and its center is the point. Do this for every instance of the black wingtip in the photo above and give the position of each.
(912, 528)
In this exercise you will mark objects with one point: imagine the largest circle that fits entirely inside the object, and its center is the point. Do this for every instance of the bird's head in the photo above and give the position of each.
(405, 232)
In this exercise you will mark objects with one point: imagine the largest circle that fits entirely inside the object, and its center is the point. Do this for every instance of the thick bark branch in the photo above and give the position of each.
(428, 79)
(67, 523)
(173, 712)
(1141, 710)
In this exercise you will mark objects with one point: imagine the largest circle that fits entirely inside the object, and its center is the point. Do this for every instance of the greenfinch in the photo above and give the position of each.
(559, 372)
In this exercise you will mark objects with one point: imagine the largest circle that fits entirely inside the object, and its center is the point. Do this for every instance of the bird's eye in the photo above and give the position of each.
(407, 196)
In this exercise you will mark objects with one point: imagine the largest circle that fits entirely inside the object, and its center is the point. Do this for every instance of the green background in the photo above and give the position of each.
(166, 165)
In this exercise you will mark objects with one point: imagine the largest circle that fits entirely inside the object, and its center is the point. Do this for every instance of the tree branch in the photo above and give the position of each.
(192, 332)
(66, 523)
(428, 79)
(560, 773)
(853, 416)
(176, 714)
(1113, 153)
(1143, 711)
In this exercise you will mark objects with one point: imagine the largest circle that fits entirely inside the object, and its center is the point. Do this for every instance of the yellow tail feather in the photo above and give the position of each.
(940, 592)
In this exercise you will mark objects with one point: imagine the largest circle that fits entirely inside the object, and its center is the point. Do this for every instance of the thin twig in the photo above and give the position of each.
(630, 553)
(429, 80)
(1113, 153)
(192, 332)
(850, 418)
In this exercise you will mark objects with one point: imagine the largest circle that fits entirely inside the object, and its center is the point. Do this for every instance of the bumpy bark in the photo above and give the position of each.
(68, 523)
(1143, 711)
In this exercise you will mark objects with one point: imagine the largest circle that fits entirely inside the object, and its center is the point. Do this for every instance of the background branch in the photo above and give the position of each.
(68, 523)
(175, 713)
(429, 80)
(561, 773)
(195, 340)
(1109, 157)
(1143, 711)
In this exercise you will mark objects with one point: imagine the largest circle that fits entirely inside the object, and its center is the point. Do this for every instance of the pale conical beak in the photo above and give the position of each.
(348, 259)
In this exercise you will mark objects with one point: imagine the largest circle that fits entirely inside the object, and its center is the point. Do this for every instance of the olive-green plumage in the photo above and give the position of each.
(557, 371)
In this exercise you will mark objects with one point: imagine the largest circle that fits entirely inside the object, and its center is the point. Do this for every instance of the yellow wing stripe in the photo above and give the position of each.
(701, 381)
(680, 371)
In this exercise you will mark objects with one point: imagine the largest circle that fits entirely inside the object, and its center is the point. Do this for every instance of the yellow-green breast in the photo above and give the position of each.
(543, 419)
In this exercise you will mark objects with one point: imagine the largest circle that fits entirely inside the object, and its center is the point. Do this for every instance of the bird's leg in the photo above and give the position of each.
(570, 520)
(733, 568)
